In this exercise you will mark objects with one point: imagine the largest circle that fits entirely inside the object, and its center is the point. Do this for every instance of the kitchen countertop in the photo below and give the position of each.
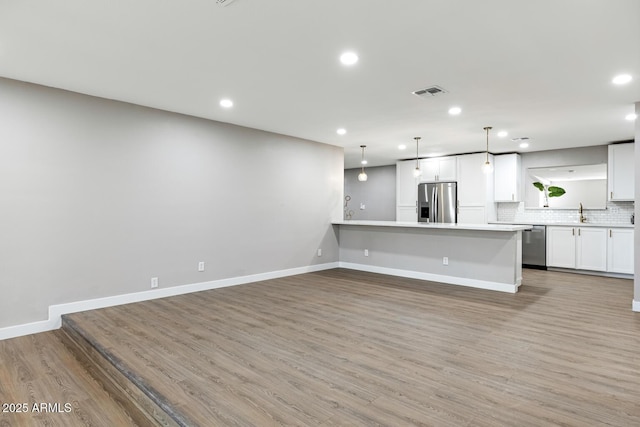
(566, 224)
(438, 225)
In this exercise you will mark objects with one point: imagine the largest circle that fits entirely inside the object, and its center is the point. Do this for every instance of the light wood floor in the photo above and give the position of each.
(38, 369)
(340, 347)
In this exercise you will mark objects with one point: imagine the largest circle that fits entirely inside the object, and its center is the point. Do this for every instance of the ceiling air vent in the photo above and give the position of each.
(224, 2)
(430, 91)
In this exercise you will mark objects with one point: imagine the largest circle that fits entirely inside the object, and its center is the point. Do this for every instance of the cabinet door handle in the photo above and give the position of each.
(611, 195)
(610, 233)
(579, 229)
(573, 231)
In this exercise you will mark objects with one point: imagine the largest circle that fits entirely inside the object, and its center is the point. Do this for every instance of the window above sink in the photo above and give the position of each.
(566, 187)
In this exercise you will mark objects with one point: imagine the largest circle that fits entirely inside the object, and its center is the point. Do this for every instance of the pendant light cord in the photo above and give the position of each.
(487, 128)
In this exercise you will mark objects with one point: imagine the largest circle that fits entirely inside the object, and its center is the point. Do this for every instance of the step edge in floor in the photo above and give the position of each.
(139, 399)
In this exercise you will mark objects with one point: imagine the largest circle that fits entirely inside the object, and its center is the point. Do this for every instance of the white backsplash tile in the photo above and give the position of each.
(615, 213)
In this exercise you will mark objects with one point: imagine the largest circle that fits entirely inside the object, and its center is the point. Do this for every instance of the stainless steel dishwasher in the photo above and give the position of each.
(534, 247)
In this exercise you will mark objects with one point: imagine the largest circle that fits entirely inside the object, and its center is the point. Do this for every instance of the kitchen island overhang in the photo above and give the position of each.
(486, 256)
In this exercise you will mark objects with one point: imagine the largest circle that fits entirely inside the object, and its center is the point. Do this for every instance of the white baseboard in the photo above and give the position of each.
(451, 280)
(636, 305)
(56, 311)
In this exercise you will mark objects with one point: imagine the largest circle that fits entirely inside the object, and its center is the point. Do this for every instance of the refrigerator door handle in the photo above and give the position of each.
(436, 205)
(432, 202)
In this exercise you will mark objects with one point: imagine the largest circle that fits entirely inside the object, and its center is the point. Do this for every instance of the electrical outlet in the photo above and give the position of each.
(319, 252)
(201, 266)
(362, 206)
(445, 260)
(366, 252)
(154, 282)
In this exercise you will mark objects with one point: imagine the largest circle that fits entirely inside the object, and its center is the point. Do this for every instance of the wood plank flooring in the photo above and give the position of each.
(38, 369)
(341, 347)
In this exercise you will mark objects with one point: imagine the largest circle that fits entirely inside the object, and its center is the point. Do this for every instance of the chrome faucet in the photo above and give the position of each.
(582, 217)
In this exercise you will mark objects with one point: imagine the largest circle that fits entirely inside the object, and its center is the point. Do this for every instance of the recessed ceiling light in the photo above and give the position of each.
(503, 133)
(348, 58)
(364, 162)
(341, 131)
(622, 79)
(524, 144)
(402, 147)
(454, 111)
(631, 117)
(226, 103)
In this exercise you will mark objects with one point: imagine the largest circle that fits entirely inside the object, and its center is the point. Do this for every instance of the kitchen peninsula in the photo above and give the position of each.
(487, 256)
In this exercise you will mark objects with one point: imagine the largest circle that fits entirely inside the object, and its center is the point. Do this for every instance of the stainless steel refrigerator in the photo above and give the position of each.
(438, 202)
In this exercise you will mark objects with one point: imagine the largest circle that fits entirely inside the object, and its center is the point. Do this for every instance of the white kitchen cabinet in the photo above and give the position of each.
(475, 190)
(472, 215)
(583, 248)
(438, 169)
(508, 171)
(406, 213)
(406, 184)
(620, 172)
(591, 249)
(620, 250)
(561, 247)
(406, 192)
(472, 181)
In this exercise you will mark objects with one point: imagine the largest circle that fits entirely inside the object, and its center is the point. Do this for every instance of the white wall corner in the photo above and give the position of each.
(636, 305)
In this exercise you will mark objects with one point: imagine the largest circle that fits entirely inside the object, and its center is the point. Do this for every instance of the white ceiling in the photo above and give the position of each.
(540, 69)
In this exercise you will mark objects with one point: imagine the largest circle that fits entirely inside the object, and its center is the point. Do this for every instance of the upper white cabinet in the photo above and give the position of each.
(406, 192)
(620, 172)
(406, 184)
(508, 171)
(438, 169)
(475, 190)
(620, 250)
(472, 182)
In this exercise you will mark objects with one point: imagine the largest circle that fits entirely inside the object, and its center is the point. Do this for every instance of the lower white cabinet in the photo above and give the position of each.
(472, 215)
(591, 248)
(583, 248)
(620, 250)
(406, 213)
(561, 247)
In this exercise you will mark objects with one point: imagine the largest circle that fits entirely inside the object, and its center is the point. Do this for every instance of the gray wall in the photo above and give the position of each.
(378, 193)
(97, 197)
(475, 255)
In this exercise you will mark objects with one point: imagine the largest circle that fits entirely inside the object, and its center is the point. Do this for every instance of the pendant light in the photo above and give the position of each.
(487, 167)
(417, 172)
(362, 176)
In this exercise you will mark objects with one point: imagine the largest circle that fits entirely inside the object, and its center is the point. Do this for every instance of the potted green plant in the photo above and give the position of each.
(549, 191)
